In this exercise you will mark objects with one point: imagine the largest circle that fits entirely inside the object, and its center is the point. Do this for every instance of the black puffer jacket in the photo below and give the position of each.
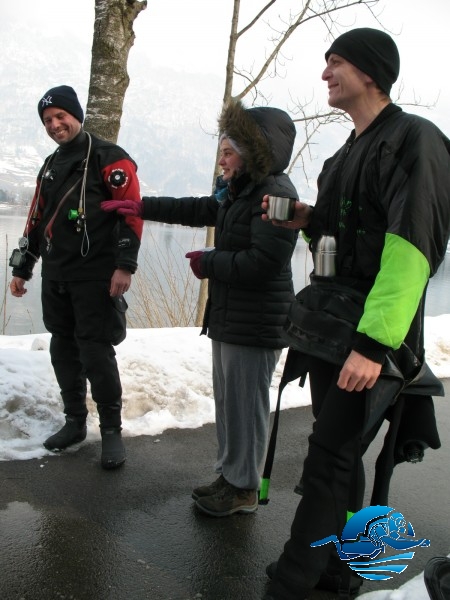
(249, 271)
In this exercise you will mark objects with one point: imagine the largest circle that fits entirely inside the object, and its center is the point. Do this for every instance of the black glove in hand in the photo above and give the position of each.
(129, 208)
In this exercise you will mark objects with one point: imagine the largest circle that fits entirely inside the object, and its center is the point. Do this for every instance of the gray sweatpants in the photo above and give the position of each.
(241, 382)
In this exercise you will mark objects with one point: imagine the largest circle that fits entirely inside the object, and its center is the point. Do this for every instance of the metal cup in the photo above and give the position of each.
(281, 208)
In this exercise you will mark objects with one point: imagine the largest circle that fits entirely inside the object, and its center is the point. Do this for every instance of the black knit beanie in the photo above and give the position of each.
(372, 51)
(63, 97)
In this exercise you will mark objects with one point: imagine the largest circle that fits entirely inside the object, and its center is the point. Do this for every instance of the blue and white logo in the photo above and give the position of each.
(367, 534)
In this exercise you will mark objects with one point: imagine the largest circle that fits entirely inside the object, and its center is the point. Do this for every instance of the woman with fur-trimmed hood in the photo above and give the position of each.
(250, 291)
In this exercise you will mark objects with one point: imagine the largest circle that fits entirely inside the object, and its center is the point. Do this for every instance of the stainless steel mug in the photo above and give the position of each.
(281, 208)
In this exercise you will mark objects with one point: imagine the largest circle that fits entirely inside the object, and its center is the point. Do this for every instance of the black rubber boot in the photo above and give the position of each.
(113, 450)
(74, 431)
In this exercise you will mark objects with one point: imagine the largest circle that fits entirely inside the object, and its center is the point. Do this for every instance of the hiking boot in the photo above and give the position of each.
(209, 490)
(113, 450)
(327, 582)
(227, 501)
(72, 432)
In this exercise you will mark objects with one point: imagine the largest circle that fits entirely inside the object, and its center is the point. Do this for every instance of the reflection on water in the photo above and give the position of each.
(58, 551)
(163, 263)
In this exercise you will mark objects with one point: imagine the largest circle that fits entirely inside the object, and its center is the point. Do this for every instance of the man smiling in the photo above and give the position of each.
(88, 258)
(385, 199)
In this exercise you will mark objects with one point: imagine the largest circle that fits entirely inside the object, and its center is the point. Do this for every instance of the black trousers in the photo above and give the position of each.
(80, 317)
(333, 482)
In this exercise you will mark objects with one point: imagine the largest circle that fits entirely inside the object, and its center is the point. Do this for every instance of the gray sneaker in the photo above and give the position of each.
(209, 490)
(227, 501)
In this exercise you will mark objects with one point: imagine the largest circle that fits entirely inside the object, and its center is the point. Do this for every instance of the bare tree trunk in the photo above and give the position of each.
(203, 291)
(113, 38)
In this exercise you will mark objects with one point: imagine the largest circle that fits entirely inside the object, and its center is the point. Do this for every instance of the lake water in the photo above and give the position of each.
(164, 290)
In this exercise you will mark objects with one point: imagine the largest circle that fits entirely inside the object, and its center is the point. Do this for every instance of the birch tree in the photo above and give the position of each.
(113, 38)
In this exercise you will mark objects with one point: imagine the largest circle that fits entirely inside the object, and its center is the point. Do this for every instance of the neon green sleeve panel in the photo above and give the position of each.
(393, 300)
(304, 236)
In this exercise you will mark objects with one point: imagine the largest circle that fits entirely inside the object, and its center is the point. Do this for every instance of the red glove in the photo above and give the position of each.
(196, 257)
(124, 207)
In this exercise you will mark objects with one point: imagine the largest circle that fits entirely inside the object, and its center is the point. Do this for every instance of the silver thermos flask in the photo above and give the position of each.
(325, 256)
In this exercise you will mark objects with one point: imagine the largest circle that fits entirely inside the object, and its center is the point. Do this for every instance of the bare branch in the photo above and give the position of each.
(307, 14)
(258, 16)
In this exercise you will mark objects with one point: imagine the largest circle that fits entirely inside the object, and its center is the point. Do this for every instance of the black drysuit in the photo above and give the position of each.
(81, 246)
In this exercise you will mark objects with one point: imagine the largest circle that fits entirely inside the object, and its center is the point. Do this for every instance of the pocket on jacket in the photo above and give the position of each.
(118, 320)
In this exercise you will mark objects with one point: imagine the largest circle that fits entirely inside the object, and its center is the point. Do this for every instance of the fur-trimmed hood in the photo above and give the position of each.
(264, 134)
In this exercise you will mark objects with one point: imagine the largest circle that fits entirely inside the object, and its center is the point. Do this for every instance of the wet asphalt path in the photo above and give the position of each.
(72, 531)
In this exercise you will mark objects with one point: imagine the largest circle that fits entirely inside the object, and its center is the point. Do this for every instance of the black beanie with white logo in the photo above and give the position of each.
(372, 51)
(63, 97)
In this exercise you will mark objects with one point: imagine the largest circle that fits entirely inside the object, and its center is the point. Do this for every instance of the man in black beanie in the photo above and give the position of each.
(384, 199)
(63, 97)
(88, 258)
(373, 52)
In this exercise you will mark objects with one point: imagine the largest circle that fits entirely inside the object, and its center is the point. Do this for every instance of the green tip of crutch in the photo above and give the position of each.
(264, 491)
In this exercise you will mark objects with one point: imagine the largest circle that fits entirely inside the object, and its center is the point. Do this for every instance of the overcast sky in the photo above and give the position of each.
(193, 36)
